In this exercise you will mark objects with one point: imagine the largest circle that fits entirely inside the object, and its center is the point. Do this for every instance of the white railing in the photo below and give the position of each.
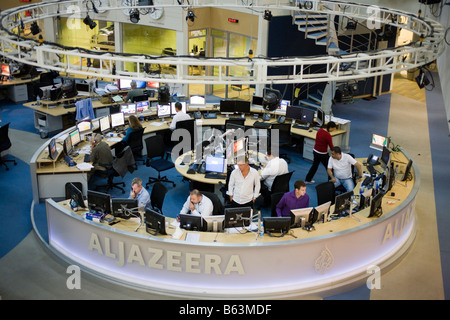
(51, 56)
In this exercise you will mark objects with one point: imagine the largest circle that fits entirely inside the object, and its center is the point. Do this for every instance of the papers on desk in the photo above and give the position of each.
(114, 139)
(336, 120)
(84, 166)
(157, 123)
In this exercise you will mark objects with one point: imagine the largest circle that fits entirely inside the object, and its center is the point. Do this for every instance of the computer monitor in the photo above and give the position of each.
(163, 110)
(237, 217)
(378, 142)
(364, 198)
(213, 223)
(67, 146)
(283, 105)
(191, 222)
(323, 210)
(83, 89)
(299, 217)
(257, 101)
(142, 106)
(376, 209)
(294, 112)
(117, 119)
(52, 152)
(152, 84)
(227, 106)
(343, 202)
(385, 157)
(240, 146)
(320, 118)
(75, 137)
(105, 124)
(84, 125)
(408, 175)
(129, 108)
(174, 111)
(242, 106)
(119, 206)
(215, 164)
(76, 197)
(124, 84)
(308, 115)
(155, 223)
(197, 100)
(99, 201)
(5, 70)
(142, 97)
(276, 225)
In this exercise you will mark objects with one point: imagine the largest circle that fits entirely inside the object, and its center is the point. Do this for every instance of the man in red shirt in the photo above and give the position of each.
(320, 151)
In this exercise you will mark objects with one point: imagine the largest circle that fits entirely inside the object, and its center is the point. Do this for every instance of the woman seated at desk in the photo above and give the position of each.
(134, 125)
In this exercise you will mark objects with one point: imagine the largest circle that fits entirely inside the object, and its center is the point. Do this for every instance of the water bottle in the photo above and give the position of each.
(261, 230)
(38, 100)
(361, 190)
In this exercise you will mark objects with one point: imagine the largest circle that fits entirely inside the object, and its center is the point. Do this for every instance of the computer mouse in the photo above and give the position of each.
(310, 130)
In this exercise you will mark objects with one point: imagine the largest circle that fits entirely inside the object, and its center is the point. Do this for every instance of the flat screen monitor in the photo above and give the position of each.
(6, 70)
(117, 119)
(242, 106)
(129, 108)
(67, 146)
(76, 196)
(174, 111)
(197, 100)
(299, 217)
(142, 106)
(257, 101)
(105, 124)
(82, 88)
(342, 202)
(155, 223)
(191, 222)
(376, 209)
(75, 137)
(277, 225)
(152, 84)
(237, 217)
(52, 153)
(283, 105)
(294, 112)
(163, 110)
(99, 201)
(215, 164)
(308, 115)
(142, 97)
(227, 106)
(320, 118)
(239, 146)
(214, 223)
(408, 175)
(385, 157)
(84, 125)
(124, 84)
(119, 206)
(378, 142)
(323, 211)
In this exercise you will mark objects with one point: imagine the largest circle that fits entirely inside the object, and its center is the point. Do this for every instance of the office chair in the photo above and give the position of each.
(5, 144)
(136, 144)
(274, 199)
(224, 187)
(157, 196)
(157, 158)
(284, 136)
(325, 192)
(218, 206)
(110, 173)
(340, 189)
(189, 125)
(281, 183)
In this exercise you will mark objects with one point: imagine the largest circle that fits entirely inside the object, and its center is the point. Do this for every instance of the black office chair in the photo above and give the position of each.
(5, 144)
(157, 196)
(158, 159)
(281, 183)
(325, 192)
(136, 144)
(189, 125)
(274, 199)
(284, 137)
(110, 173)
(224, 187)
(218, 206)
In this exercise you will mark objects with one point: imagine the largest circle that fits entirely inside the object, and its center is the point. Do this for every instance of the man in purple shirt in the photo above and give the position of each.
(291, 200)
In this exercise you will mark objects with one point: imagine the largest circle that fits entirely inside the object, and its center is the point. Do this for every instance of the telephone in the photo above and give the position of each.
(281, 119)
(266, 117)
(372, 160)
(197, 115)
(201, 168)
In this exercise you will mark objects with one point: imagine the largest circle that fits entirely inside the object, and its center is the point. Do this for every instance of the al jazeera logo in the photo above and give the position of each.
(324, 262)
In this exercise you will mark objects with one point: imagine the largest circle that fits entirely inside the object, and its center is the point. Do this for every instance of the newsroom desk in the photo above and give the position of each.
(338, 255)
(18, 87)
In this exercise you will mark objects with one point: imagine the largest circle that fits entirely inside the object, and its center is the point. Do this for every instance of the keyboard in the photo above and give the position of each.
(372, 170)
(260, 124)
(68, 106)
(215, 175)
(301, 126)
(87, 157)
(210, 115)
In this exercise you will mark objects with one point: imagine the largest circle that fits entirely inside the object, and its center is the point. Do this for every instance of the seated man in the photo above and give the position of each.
(134, 92)
(101, 157)
(197, 204)
(340, 169)
(179, 116)
(274, 167)
(292, 200)
(244, 185)
(140, 193)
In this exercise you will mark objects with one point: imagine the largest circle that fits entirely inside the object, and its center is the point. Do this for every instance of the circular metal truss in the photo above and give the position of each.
(55, 57)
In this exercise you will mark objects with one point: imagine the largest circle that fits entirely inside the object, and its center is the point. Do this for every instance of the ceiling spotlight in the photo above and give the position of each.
(134, 16)
(267, 15)
(351, 25)
(190, 16)
(89, 22)
(34, 28)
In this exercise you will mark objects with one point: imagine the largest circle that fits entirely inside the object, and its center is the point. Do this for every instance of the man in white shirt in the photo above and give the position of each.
(274, 167)
(197, 204)
(340, 169)
(244, 185)
(179, 116)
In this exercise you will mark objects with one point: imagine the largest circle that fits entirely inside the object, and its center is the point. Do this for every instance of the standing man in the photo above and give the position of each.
(292, 200)
(340, 169)
(140, 193)
(320, 151)
(244, 185)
